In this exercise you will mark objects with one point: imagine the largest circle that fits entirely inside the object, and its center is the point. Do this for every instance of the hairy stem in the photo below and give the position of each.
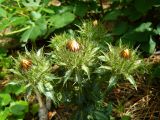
(42, 110)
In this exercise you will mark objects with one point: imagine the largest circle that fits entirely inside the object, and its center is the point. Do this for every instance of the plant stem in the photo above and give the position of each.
(17, 31)
(42, 110)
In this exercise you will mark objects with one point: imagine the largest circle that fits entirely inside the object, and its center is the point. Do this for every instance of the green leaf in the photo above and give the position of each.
(19, 107)
(37, 29)
(3, 13)
(152, 46)
(61, 20)
(120, 28)
(144, 27)
(49, 11)
(26, 35)
(105, 67)
(112, 82)
(131, 80)
(102, 58)
(100, 115)
(5, 99)
(14, 88)
(86, 69)
(112, 15)
(157, 31)
(4, 114)
(18, 21)
(67, 76)
(50, 95)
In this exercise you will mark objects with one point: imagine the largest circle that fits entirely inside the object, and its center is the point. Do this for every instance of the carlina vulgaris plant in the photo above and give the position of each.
(77, 56)
(33, 70)
(122, 63)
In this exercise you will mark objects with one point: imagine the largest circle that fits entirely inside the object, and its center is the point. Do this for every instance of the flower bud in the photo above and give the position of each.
(26, 64)
(125, 53)
(73, 45)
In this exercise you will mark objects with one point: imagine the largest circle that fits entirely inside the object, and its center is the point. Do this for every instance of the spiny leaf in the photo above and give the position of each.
(152, 45)
(131, 80)
(106, 67)
(86, 69)
(67, 76)
(112, 82)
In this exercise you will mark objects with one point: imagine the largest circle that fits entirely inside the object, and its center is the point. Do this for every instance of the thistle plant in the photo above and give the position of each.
(33, 70)
(76, 55)
(122, 63)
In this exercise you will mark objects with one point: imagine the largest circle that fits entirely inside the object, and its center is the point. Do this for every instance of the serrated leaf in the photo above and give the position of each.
(152, 45)
(105, 67)
(86, 70)
(67, 76)
(112, 82)
(50, 95)
(100, 115)
(40, 87)
(102, 58)
(131, 80)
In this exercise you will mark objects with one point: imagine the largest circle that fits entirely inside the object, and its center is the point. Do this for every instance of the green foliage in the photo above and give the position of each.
(77, 63)
(38, 76)
(10, 107)
(5, 63)
(83, 75)
(121, 65)
(139, 22)
(80, 85)
(32, 19)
